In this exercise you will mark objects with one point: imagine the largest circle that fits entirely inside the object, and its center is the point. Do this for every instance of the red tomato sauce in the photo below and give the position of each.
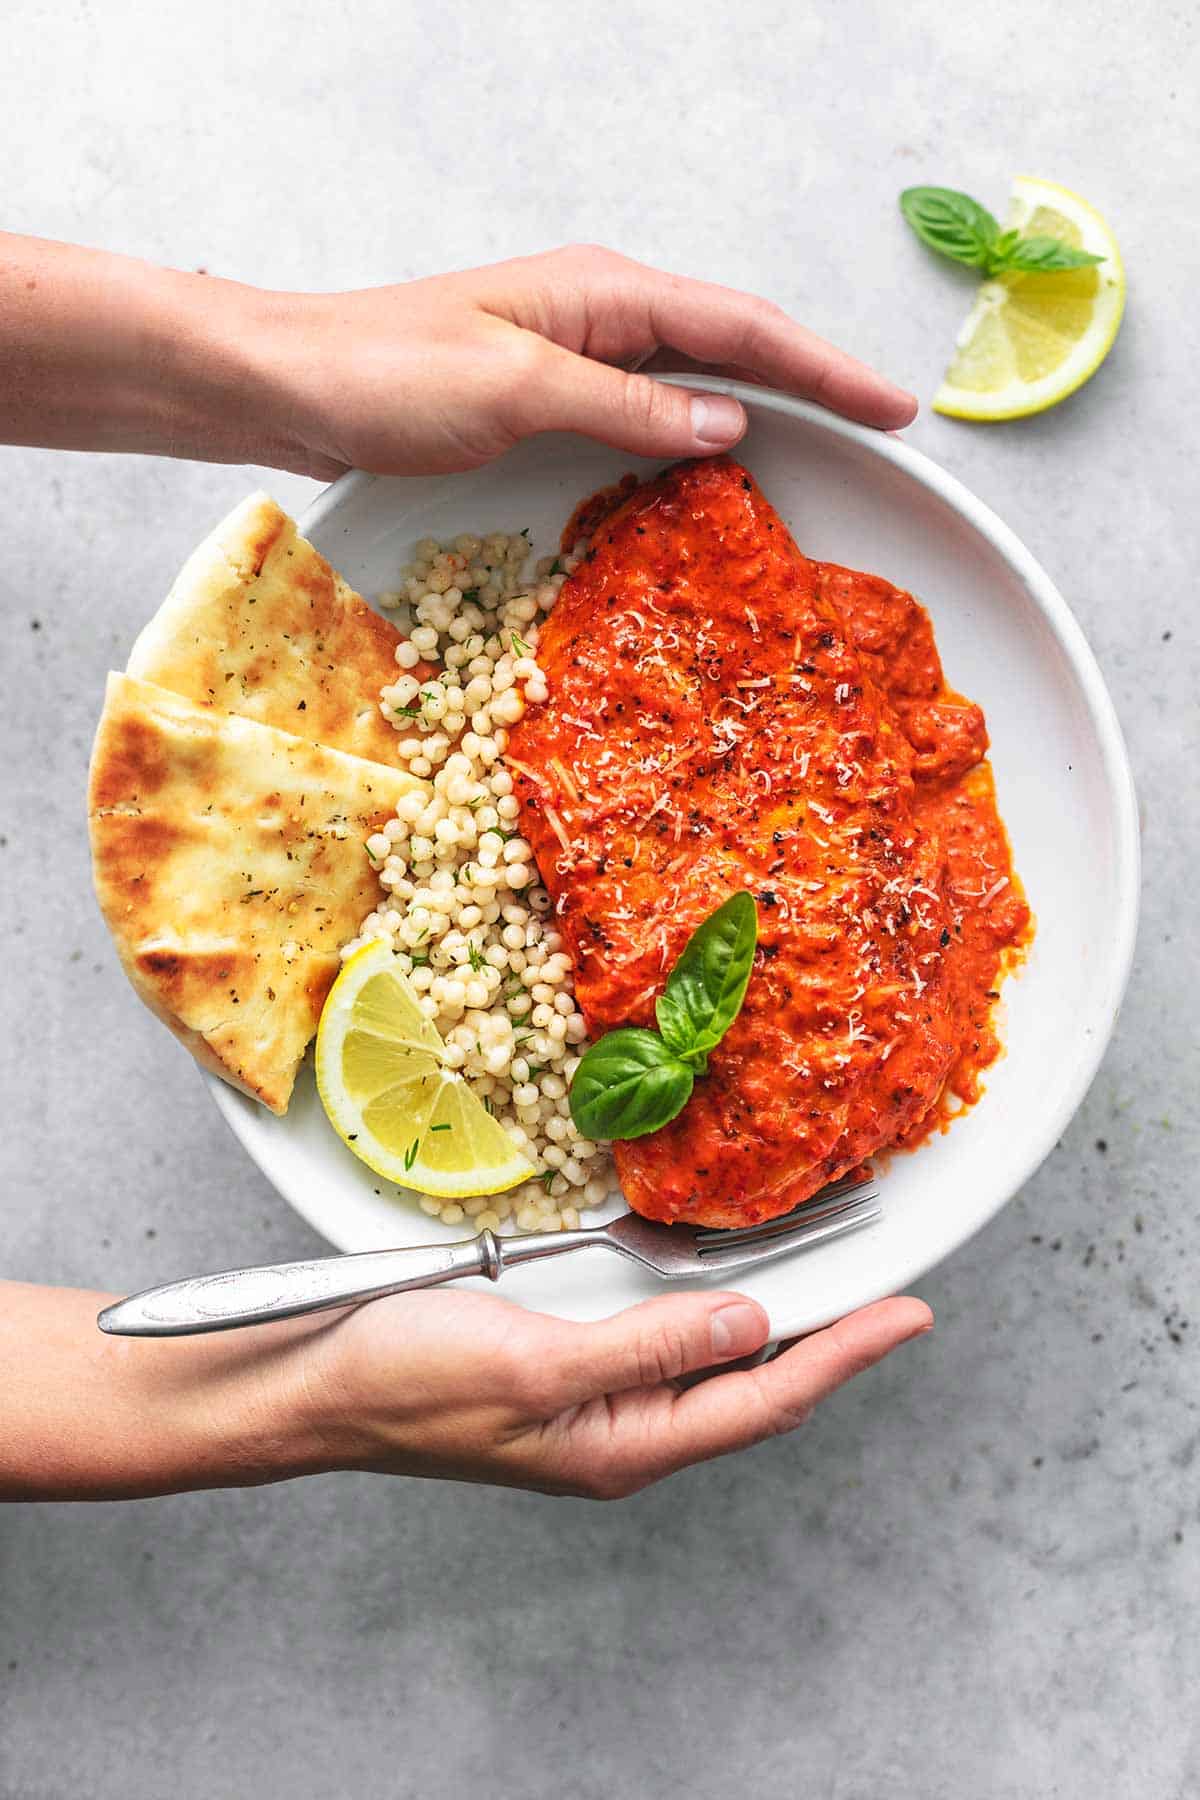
(725, 713)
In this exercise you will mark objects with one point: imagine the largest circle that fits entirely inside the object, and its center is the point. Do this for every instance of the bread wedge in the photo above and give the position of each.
(230, 864)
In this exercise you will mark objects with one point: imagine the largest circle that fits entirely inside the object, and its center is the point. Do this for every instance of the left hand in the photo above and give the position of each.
(445, 373)
(468, 1387)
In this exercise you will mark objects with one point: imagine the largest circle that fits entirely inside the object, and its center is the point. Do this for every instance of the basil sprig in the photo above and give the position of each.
(627, 1084)
(958, 227)
(633, 1081)
(704, 993)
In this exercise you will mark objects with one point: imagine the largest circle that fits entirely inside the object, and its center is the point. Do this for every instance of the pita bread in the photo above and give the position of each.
(230, 866)
(258, 623)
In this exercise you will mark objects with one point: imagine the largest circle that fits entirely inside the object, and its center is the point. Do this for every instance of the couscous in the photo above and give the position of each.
(462, 904)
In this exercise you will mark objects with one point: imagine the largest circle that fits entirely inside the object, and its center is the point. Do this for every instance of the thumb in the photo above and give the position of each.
(631, 411)
(658, 1341)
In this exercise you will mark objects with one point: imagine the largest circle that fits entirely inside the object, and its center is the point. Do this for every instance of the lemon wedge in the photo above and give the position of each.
(385, 1082)
(1030, 340)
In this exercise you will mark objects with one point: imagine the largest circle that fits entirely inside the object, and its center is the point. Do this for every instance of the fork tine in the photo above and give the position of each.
(845, 1184)
(812, 1210)
(796, 1231)
(848, 1184)
(863, 1210)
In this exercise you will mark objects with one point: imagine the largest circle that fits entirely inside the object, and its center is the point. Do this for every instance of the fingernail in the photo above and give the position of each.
(736, 1330)
(717, 421)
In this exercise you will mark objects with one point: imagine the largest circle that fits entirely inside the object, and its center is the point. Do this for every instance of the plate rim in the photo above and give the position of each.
(889, 447)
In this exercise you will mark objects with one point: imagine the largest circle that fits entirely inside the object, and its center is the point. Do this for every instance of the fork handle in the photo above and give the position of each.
(286, 1290)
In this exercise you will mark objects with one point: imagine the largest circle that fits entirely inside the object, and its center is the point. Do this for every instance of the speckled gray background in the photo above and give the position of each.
(975, 1574)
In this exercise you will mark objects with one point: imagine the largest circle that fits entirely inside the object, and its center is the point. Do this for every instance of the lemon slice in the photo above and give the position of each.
(383, 1078)
(1030, 340)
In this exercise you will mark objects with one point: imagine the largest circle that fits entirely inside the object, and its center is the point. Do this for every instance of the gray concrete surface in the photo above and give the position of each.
(975, 1574)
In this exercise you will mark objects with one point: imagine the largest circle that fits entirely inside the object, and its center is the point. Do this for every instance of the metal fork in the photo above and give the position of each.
(285, 1290)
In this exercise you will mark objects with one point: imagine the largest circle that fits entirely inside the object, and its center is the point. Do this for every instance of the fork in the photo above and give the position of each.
(285, 1290)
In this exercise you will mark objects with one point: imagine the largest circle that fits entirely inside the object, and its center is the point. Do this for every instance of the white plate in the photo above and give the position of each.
(1065, 791)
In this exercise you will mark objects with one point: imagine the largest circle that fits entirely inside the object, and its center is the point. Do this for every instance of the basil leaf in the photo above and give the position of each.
(705, 989)
(951, 223)
(1040, 256)
(958, 227)
(628, 1084)
(634, 1081)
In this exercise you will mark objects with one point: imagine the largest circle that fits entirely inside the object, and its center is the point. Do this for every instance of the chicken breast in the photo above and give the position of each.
(713, 725)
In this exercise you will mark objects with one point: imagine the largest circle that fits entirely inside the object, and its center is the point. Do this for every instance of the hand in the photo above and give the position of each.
(467, 1387)
(101, 352)
(446, 373)
(450, 1384)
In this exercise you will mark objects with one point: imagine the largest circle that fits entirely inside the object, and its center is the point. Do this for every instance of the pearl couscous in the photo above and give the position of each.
(462, 905)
